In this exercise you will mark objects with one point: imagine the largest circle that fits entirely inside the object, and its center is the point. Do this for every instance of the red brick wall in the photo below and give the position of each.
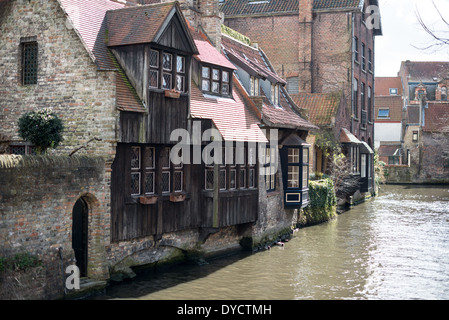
(277, 36)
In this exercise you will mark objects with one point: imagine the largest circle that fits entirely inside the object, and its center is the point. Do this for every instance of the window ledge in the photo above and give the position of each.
(148, 199)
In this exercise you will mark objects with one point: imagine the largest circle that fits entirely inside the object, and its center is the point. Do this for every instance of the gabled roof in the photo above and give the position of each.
(425, 71)
(383, 85)
(231, 116)
(436, 117)
(386, 150)
(148, 23)
(322, 107)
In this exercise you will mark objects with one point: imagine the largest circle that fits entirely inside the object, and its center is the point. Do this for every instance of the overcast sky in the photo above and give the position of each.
(402, 31)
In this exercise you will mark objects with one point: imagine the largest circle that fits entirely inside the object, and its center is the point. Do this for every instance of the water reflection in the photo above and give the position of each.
(394, 246)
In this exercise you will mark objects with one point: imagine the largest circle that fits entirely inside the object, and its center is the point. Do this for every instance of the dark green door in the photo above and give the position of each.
(79, 234)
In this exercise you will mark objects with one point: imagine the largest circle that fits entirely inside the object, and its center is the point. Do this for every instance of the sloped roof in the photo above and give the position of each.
(88, 20)
(283, 115)
(436, 117)
(383, 85)
(393, 103)
(207, 53)
(231, 116)
(386, 150)
(425, 71)
(134, 25)
(347, 137)
(413, 114)
(322, 106)
(246, 7)
(249, 58)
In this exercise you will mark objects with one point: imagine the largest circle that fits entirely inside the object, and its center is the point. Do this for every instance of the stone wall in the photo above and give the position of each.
(37, 195)
(68, 80)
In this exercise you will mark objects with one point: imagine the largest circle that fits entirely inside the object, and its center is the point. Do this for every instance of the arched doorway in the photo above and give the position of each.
(80, 215)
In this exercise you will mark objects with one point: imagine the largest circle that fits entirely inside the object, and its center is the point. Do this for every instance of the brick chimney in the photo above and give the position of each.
(204, 16)
(305, 46)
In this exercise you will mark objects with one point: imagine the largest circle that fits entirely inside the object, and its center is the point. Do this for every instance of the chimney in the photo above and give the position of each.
(305, 46)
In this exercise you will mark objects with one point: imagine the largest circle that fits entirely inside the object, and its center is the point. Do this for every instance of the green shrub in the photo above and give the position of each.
(322, 202)
(42, 128)
(19, 262)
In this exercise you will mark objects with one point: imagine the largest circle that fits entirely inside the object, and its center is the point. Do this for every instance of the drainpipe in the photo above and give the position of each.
(352, 72)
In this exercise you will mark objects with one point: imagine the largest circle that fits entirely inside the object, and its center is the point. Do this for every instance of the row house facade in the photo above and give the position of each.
(201, 147)
(321, 47)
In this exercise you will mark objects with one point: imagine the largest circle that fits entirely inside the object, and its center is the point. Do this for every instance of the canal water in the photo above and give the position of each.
(394, 246)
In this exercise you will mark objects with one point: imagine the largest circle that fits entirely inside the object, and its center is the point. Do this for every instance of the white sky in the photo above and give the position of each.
(401, 31)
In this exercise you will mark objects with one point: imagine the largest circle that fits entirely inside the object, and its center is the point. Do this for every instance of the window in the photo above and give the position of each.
(22, 149)
(146, 179)
(236, 171)
(363, 165)
(355, 156)
(293, 168)
(370, 104)
(355, 97)
(393, 91)
(415, 136)
(167, 71)
(362, 96)
(383, 114)
(293, 85)
(355, 45)
(370, 60)
(444, 93)
(363, 57)
(275, 94)
(270, 173)
(305, 168)
(29, 62)
(215, 80)
(254, 90)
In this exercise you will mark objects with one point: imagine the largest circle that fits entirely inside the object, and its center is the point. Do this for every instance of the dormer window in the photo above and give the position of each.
(254, 90)
(393, 91)
(215, 80)
(444, 93)
(167, 71)
(275, 94)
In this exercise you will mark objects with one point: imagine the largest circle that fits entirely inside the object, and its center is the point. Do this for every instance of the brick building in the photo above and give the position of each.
(423, 148)
(319, 47)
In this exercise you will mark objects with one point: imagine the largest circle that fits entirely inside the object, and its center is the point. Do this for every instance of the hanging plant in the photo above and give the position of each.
(42, 128)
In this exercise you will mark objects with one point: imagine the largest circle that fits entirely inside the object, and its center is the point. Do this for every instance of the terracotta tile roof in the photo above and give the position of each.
(425, 71)
(208, 53)
(245, 7)
(233, 118)
(389, 150)
(135, 25)
(88, 19)
(412, 115)
(126, 96)
(436, 117)
(322, 107)
(383, 85)
(283, 115)
(249, 58)
(393, 103)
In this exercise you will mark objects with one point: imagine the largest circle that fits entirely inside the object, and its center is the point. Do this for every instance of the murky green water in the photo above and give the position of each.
(395, 246)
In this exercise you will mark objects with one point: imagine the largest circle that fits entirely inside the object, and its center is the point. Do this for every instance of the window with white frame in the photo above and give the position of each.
(215, 80)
